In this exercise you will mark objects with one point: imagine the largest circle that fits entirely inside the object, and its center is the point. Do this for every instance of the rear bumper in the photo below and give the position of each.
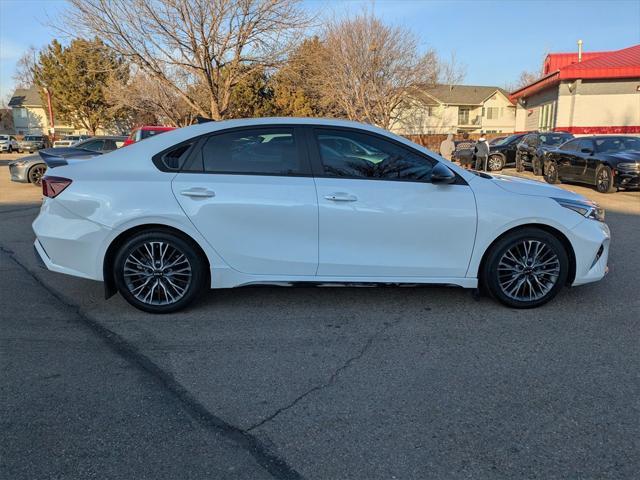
(67, 243)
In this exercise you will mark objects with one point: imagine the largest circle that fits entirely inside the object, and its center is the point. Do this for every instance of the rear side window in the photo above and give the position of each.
(173, 159)
(253, 151)
(351, 154)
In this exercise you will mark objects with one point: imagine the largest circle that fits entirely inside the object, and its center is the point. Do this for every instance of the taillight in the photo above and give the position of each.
(53, 186)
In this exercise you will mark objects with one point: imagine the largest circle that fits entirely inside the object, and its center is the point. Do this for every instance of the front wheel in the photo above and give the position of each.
(551, 173)
(159, 272)
(604, 180)
(526, 268)
(519, 164)
(495, 163)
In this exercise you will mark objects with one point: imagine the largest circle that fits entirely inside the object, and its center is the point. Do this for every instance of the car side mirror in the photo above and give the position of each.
(442, 175)
(587, 150)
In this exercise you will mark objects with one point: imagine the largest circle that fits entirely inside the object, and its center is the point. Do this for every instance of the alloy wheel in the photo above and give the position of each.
(528, 270)
(495, 163)
(36, 174)
(604, 180)
(157, 273)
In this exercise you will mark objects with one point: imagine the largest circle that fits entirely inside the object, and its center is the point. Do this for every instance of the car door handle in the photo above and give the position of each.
(198, 192)
(341, 197)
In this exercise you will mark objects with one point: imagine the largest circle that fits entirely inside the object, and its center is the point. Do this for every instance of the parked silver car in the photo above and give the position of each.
(8, 143)
(31, 143)
(31, 168)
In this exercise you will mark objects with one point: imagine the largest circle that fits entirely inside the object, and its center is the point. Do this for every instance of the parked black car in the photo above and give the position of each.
(532, 148)
(608, 162)
(503, 152)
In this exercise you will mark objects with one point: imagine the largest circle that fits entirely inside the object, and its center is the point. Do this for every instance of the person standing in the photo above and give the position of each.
(464, 151)
(447, 147)
(482, 153)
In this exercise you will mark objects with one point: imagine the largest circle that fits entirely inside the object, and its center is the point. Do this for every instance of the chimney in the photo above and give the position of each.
(579, 51)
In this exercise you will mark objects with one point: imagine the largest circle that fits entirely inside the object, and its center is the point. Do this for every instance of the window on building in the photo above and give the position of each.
(492, 113)
(546, 119)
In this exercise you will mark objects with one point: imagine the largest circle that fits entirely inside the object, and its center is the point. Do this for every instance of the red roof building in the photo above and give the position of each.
(598, 93)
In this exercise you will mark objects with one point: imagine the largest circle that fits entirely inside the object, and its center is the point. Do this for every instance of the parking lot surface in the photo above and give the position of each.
(321, 383)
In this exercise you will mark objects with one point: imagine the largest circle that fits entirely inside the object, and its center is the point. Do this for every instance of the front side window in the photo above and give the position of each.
(266, 151)
(351, 154)
(585, 145)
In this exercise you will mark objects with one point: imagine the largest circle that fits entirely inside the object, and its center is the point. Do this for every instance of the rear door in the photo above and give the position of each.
(380, 216)
(565, 159)
(251, 194)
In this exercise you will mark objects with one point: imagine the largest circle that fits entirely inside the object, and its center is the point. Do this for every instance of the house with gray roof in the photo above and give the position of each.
(456, 109)
(29, 114)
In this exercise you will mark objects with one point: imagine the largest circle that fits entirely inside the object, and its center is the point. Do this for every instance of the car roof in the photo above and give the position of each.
(155, 127)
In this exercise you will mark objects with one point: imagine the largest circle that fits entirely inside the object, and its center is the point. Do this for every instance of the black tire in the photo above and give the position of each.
(519, 164)
(604, 180)
(36, 173)
(127, 285)
(551, 173)
(536, 166)
(496, 274)
(495, 163)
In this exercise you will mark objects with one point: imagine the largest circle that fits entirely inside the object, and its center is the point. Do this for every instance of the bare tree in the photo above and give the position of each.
(213, 44)
(23, 76)
(146, 97)
(370, 67)
(451, 71)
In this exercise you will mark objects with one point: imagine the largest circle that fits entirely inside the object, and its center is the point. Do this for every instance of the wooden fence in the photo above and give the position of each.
(432, 141)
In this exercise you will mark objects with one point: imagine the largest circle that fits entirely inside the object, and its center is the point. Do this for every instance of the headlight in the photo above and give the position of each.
(630, 166)
(585, 208)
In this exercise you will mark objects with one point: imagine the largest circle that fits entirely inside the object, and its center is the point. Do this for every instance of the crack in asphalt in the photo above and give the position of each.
(274, 465)
(329, 382)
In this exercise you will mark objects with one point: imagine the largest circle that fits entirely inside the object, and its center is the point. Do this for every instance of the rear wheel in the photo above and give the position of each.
(495, 163)
(36, 173)
(551, 173)
(604, 180)
(526, 268)
(159, 272)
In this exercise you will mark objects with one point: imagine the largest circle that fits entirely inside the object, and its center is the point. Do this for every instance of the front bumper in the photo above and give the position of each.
(627, 178)
(4, 147)
(18, 172)
(590, 240)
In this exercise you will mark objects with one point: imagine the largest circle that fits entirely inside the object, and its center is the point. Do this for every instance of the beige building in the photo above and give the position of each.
(455, 109)
(586, 93)
(30, 116)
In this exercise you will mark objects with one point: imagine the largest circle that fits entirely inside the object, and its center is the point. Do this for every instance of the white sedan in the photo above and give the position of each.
(284, 201)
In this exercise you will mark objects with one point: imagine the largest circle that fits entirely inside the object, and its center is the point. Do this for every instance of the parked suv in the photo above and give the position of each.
(533, 147)
(31, 143)
(8, 143)
(69, 141)
(503, 152)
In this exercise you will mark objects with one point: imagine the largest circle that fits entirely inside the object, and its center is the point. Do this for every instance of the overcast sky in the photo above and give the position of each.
(495, 40)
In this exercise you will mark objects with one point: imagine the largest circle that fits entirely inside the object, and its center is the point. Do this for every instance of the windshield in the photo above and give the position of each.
(4, 137)
(554, 139)
(617, 144)
(507, 140)
(31, 138)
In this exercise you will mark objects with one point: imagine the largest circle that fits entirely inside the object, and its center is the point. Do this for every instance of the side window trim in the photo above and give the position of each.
(318, 168)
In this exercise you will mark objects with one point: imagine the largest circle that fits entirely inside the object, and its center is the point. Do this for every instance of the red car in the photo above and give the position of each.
(146, 131)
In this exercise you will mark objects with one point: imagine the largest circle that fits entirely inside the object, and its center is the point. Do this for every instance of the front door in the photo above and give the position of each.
(252, 196)
(379, 214)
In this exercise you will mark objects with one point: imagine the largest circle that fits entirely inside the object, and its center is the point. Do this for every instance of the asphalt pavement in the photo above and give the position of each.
(318, 383)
